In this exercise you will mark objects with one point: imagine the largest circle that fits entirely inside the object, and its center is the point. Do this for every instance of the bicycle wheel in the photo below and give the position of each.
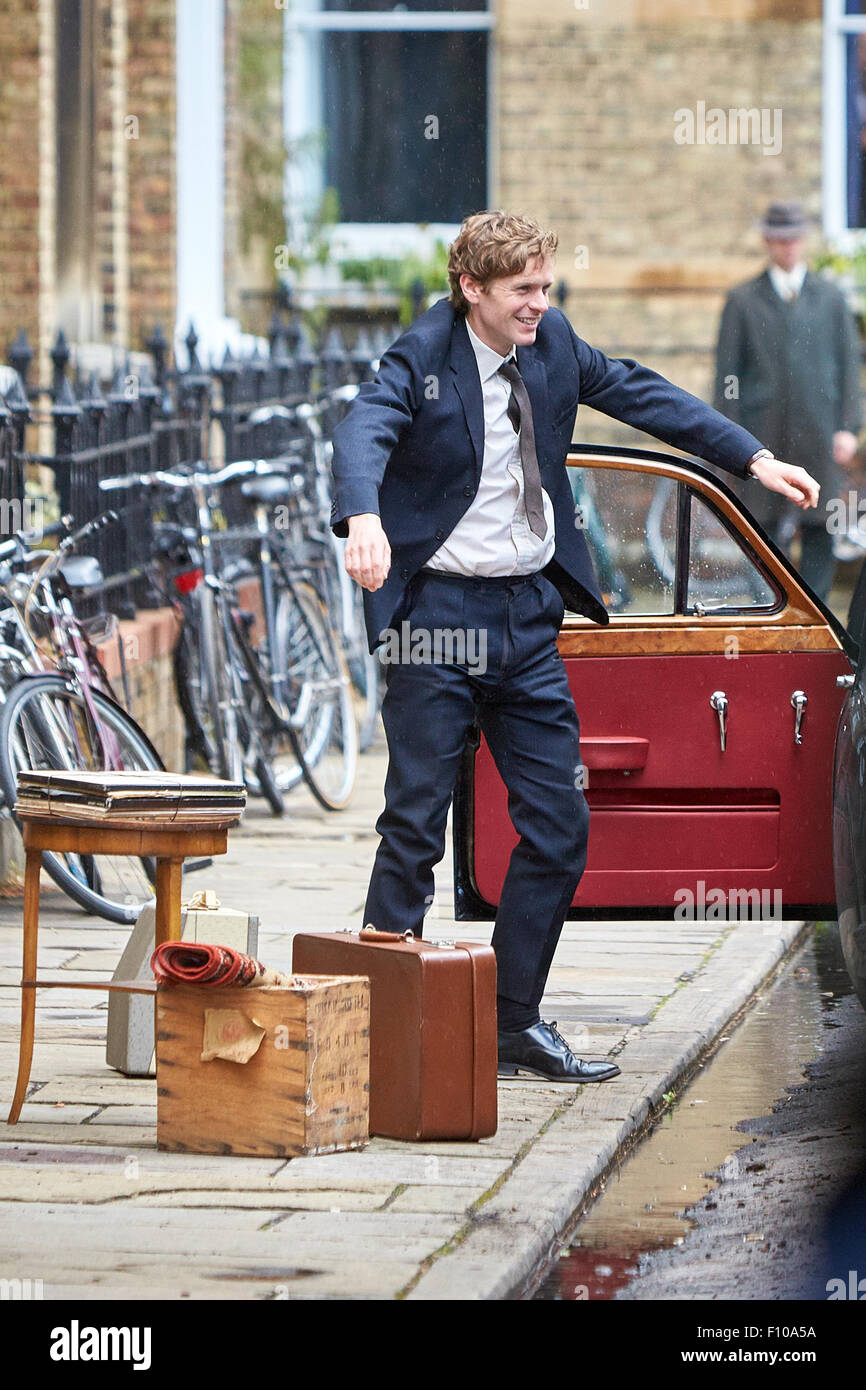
(205, 685)
(266, 747)
(200, 746)
(345, 604)
(365, 670)
(320, 707)
(46, 725)
(252, 750)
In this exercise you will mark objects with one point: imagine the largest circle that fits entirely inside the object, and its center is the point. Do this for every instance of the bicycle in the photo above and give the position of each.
(325, 553)
(62, 714)
(285, 696)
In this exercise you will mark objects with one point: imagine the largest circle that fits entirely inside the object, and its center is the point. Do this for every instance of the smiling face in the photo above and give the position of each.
(508, 309)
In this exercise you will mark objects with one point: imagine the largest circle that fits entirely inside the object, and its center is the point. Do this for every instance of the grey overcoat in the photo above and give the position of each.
(790, 374)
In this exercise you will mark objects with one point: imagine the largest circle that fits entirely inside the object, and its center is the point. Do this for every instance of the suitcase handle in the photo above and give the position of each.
(371, 933)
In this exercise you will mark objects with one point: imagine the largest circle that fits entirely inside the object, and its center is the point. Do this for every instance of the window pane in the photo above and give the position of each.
(612, 508)
(855, 121)
(721, 573)
(406, 121)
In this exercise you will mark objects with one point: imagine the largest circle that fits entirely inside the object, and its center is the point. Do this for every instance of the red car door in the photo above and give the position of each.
(708, 712)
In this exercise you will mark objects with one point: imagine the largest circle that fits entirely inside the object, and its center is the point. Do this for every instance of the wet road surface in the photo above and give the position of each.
(732, 1196)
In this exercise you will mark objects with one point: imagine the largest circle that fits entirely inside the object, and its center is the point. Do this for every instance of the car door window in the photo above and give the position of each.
(722, 573)
(631, 521)
(611, 508)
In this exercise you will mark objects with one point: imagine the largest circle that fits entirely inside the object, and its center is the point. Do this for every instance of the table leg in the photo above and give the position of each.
(169, 874)
(28, 992)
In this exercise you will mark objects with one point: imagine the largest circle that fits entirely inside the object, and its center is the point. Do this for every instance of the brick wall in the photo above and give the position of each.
(152, 167)
(19, 185)
(134, 177)
(586, 102)
(112, 202)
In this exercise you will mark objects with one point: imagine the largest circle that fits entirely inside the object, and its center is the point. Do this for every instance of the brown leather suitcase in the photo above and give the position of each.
(433, 1052)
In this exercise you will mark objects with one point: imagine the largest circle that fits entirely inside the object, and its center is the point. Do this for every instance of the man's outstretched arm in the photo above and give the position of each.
(640, 397)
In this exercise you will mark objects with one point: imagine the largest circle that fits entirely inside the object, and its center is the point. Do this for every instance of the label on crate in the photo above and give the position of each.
(230, 1035)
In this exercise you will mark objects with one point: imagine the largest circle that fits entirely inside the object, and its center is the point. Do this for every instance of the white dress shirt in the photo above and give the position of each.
(788, 283)
(493, 536)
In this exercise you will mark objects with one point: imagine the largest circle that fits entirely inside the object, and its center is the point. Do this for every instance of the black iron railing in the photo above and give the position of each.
(57, 442)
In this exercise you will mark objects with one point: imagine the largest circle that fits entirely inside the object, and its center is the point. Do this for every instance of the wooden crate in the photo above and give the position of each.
(304, 1091)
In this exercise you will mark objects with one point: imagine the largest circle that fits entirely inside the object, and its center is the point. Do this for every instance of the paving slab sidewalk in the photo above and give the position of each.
(90, 1207)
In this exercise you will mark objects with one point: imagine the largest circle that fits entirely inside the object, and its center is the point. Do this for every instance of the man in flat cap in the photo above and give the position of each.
(788, 370)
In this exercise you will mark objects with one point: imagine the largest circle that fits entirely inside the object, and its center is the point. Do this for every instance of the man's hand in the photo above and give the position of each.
(787, 478)
(844, 447)
(368, 554)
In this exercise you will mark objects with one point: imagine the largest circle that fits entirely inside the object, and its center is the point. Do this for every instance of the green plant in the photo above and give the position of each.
(848, 266)
(402, 275)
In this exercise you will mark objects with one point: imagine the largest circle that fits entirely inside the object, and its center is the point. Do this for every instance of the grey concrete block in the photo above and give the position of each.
(129, 1046)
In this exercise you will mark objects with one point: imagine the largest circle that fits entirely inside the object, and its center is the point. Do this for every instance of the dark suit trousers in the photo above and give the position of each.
(513, 683)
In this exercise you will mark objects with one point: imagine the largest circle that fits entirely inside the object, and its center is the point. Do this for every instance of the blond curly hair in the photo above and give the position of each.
(494, 243)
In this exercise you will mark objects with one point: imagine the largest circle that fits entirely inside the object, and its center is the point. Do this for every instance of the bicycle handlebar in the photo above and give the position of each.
(22, 541)
(306, 409)
(240, 468)
(89, 528)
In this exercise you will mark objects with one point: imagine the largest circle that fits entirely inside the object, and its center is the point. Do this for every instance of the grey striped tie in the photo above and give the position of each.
(520, 415)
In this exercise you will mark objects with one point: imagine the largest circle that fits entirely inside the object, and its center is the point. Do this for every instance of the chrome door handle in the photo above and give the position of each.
(799, 700)
(719, 702)
(847, 682)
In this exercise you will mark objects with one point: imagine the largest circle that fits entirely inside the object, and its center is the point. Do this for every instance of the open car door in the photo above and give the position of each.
(708, 711)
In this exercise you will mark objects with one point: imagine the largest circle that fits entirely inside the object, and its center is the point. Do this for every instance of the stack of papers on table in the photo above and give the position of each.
(140, 797)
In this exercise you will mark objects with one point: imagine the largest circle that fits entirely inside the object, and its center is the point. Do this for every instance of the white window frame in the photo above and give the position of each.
(836, 29)
(305, 22)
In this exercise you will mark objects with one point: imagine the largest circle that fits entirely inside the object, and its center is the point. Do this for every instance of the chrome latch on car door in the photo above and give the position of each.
(719, 702)
(799, 700)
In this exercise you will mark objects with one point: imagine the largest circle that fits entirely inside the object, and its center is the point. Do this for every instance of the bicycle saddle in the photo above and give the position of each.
(272, 488)
(81, 571)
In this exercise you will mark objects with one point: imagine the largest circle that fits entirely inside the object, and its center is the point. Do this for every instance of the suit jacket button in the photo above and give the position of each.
(404, 574)
(468, 491)
(440, 536)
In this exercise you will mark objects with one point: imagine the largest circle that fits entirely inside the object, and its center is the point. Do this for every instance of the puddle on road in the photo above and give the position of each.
(641, 1208)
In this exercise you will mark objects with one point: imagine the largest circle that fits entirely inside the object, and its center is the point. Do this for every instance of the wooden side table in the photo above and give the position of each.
(168, 844)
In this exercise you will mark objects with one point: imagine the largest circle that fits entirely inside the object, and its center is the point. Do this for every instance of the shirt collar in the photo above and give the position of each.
(788, 279)
(488, 360)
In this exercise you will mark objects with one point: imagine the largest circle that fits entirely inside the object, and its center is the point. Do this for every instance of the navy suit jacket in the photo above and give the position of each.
(411, 445)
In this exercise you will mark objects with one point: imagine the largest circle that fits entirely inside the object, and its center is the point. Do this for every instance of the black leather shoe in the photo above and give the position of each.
(543, 1051)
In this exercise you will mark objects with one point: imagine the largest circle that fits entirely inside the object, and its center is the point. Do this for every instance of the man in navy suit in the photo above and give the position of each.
(450, 483)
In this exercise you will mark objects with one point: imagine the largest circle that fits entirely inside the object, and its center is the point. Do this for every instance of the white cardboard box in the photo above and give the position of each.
(129, 1046)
